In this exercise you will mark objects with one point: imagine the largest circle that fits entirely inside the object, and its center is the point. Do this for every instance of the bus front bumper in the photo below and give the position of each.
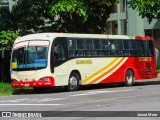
(39, 83)
(31, 84)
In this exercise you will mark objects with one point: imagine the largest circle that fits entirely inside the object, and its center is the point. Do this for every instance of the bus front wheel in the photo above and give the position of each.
(73, 83)
(129, 78)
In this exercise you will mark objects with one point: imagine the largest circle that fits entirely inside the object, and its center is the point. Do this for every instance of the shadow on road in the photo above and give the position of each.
(147, 83)
(82, 88)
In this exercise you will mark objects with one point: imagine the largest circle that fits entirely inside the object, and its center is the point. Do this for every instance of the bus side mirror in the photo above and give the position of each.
(52, 60)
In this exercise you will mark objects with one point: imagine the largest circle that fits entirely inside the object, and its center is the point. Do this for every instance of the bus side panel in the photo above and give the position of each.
(109, 67)
(98, 70)
(138, 68)
(119, 74)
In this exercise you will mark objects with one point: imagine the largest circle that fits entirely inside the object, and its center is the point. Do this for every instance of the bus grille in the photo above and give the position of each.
(148, 68)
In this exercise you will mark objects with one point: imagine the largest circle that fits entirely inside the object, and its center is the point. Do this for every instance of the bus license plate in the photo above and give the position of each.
(26, 85)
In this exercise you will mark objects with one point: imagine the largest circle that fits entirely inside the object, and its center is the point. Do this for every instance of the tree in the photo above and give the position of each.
(7, 39)
(147, 8)
(30, 16)
(83, 16)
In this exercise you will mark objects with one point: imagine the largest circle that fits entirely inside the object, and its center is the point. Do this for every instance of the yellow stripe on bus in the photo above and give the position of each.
(104, 74)
(99, 71)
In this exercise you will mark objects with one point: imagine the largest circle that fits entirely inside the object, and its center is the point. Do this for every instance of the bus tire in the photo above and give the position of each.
(73, 82)
(129, 78)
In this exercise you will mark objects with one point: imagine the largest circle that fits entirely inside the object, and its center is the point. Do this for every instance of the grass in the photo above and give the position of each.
(158, 71)
(5, 89)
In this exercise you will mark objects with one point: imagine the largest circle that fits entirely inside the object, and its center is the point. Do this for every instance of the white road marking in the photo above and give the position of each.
(32, 100)
(99, 92)
(29, 104)
(37, 101)
(50, 99)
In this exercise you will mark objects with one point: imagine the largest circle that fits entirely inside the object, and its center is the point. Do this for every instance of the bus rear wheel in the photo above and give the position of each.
(129, 78)
(73, 83)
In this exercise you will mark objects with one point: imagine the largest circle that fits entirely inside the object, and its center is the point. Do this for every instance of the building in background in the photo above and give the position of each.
(4, 4)
(126, 21)
(4, 10)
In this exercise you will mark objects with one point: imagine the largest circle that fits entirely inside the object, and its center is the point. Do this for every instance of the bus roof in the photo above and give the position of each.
(144, 38)
(51, 36)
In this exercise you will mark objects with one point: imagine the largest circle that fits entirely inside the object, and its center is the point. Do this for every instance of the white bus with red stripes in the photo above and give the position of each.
(47, 60)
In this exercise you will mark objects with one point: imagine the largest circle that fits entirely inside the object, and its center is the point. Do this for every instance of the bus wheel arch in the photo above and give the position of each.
(129, 77)
(74, 81)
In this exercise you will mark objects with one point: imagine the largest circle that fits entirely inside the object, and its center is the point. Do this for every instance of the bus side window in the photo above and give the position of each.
(59, 52)
(113, 47)
(55, 53)
(71, 53)
(55, 56)
(113, 50)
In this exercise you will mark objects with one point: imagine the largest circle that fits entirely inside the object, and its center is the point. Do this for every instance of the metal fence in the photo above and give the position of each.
(5, 65)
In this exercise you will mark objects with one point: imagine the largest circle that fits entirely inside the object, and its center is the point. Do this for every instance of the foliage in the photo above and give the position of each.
(73, 6)
(87, 16)
(147, 8)
(5, 89)
(30, 16)
(158, 71)
(7, 39)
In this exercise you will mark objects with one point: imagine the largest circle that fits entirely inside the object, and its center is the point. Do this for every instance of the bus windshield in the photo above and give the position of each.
(29, 57)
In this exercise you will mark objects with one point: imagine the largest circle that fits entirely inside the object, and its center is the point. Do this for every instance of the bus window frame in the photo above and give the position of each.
(106, 51)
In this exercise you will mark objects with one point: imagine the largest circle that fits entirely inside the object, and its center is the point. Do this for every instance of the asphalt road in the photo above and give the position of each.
(141, 101)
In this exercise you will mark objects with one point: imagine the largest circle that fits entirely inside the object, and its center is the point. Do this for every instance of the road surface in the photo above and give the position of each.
(90, 102)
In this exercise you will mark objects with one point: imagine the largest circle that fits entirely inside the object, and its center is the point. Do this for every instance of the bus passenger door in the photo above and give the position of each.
(58, 54)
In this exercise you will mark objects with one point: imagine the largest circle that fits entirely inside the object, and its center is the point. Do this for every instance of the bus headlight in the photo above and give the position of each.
(46, 79)
(14, 80)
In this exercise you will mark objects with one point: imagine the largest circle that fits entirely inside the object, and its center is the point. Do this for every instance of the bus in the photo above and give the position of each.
(45, 60)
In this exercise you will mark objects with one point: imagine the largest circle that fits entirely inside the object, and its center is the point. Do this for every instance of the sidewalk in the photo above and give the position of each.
(154, 80)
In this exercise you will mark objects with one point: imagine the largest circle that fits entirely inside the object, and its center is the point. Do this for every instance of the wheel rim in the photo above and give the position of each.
(73, 82)
(129, 79)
